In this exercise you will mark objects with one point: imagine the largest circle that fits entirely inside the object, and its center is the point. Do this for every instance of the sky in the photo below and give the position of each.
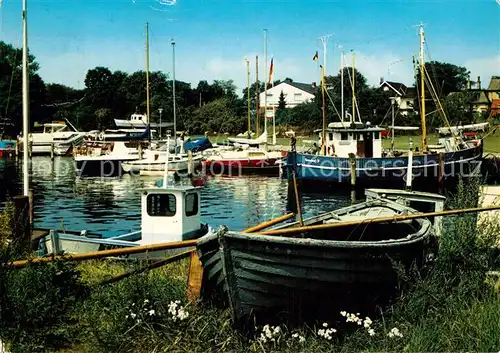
(213, 37)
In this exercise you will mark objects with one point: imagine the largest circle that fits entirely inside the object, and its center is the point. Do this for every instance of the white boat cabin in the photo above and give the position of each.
(139, 118)
(362, 140)
(170, 214)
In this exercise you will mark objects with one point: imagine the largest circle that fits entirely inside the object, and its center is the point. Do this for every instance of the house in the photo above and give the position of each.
(295, 93)
(486, 98)
(403, 95)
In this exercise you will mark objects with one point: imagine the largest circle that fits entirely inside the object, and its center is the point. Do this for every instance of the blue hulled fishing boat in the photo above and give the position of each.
(350, 151)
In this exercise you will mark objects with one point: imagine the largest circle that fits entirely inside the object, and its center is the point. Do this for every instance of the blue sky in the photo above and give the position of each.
(213, 37)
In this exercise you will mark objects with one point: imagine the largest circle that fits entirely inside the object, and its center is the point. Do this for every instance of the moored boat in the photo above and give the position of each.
(318, 271)
(244, 161)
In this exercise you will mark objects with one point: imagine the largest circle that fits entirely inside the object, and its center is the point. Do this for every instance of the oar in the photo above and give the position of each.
(105, 253)
(269, 223)
(399, 218)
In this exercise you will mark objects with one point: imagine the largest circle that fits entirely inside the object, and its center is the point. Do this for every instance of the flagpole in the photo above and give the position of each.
(274, 108)
(265, 89)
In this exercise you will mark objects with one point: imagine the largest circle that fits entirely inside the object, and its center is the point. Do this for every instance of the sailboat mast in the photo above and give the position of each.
(147, 72)
(257, 92)
(422, 89)
(248, 96)
(173, 92)
(25, 100)
(323, 147)
(265, 83)
(342, 84)
(353, 91)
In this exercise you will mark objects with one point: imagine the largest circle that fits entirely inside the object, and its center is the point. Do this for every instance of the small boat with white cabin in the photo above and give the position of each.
(168, 214)
(138, 121)
(243, 161)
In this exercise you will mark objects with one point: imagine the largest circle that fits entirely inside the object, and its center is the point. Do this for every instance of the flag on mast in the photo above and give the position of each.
(271, 70)
(316, 57)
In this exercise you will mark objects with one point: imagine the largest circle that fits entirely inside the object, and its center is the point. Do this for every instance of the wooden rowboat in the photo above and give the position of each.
(316, 272)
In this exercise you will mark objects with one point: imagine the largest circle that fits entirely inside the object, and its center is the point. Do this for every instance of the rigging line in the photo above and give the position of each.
(334, 107)
(14, 66)
(354, 97)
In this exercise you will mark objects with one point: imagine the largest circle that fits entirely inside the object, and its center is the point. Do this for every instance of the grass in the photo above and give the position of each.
(448, 305)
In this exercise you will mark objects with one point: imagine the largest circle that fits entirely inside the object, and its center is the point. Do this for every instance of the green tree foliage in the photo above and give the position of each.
(282, 101)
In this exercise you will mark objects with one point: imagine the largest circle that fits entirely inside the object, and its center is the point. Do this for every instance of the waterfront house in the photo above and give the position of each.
(404, 96)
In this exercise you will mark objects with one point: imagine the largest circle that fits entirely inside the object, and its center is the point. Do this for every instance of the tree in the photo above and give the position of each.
(282, 101)
(445, 78)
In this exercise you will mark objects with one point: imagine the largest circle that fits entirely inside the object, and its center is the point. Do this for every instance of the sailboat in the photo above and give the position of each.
(351, 152)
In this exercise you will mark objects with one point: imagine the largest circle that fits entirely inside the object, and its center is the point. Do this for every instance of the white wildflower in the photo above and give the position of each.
(151, 312)
(371, 332)
(343, 313)
(302, 339)
(126, 316)
(367, 322)
(295, 335)
(146, 301)
(133, 315)
(325, 324)
(395, 333)
(321, 332)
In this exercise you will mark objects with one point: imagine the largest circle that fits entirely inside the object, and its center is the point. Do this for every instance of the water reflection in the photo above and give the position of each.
(111, 206)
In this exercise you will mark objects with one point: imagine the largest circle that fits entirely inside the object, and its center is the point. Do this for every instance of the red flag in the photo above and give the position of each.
(271, 70)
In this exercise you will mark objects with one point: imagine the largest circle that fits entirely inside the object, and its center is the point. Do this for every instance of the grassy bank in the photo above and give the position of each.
(448, 305)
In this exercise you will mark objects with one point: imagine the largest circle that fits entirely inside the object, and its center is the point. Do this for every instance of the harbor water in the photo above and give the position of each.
(111, 206)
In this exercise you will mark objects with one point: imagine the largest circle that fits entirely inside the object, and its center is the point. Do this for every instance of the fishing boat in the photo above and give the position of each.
(243, 161)
(154, 163)
(250, 142)
(168, 214)
(316, 271)
(350, 151)
(456, 130)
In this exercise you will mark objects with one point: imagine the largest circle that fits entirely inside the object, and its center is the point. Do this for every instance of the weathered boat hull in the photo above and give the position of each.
(299, 278)
(243, 166)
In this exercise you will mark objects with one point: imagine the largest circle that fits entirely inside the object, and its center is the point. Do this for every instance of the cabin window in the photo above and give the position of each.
(161, 205)
(376, 135)
(330, 136)
(343, 136)
(191, 205)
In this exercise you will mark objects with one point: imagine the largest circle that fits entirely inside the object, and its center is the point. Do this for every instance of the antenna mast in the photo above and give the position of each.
(324, 41)
(25, 100)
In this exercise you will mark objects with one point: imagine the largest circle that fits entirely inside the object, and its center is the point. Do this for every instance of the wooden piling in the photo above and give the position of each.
(352, 167)
(297, 198)
(52, 151)
(190, 163)
(22, 229)
(441, 169)
(31, 207)
(409, 173)
(30, 148)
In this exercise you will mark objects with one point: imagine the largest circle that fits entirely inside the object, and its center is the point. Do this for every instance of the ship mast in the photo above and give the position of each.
(422, 89)
(248, 96)
(265, 83)
(323, 146)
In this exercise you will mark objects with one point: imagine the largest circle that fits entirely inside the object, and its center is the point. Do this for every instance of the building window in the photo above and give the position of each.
(297, 95)
(269, 95)
(161, 205)
(191, 204)
(343, 136)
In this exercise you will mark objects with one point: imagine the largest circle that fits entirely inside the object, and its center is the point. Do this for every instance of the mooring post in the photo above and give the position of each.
(31, 207)
(52, 151)
(30, 148)
(54, 240)
(22, 230)
(140, 149)
(190, 163)
(441, 170)
(409, 173)
(352, 167)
